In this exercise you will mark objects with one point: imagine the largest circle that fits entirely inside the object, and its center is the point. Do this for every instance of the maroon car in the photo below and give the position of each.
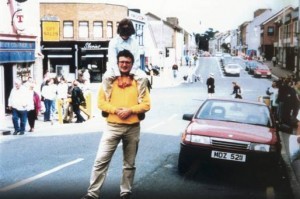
(231, 131)
(262, 71)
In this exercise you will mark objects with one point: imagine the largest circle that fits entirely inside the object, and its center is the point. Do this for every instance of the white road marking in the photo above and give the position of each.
(172, 117)
(155, 126)
(162, 123)
(31, 179)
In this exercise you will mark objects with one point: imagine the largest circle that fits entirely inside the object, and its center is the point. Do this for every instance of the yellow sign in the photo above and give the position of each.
(50, 31)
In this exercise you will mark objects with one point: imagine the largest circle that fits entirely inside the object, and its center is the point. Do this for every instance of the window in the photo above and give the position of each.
(83, 29)
(98, 29)
(270, 31)
(109, 30)
(296, 28)
(139, 33)
(68, 29)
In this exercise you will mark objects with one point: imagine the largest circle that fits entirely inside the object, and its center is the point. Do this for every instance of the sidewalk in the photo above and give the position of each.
(278, 71)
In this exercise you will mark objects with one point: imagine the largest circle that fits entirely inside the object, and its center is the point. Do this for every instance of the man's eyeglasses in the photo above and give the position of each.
(124, 62)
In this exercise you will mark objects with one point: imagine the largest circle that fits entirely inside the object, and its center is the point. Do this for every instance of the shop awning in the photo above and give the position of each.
(17, 51)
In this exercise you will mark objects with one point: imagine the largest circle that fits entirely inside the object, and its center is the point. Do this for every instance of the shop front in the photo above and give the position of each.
(17, 56)
(69, 58)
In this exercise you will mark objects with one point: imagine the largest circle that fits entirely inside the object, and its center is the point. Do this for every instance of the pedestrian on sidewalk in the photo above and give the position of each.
(34, 107)
(273, 93)
(49, 94)
(274, 61)
(18, 102)
(123, 124)
(175, 70)
(210, 83)
(77, 100)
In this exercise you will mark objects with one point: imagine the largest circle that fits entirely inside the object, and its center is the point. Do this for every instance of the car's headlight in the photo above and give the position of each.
(260, 147)
(197, 139)
(257, 72)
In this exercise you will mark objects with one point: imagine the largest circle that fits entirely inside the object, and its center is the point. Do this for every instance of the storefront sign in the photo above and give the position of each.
(50, 30)
(90, 46)
(16, 52)
(18, 20)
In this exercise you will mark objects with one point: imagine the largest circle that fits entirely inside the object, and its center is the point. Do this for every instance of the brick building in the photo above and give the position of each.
(76, 36)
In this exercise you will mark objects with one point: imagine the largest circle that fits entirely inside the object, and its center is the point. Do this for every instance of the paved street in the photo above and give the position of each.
(56, 160)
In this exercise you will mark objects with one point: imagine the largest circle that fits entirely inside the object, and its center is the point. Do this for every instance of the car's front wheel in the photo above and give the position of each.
(184, 161)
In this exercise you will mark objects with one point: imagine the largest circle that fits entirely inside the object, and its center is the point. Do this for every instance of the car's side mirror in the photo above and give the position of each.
(188, 117)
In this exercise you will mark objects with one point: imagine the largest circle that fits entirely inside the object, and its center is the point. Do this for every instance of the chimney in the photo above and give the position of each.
(173, 20)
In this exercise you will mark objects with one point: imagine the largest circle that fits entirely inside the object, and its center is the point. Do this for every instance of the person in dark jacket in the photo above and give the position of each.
(237, 90)
(77, 99)
(210, 82)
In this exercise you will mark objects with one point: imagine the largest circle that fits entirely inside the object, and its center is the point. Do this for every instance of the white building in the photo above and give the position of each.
(19, 45)
(253, 31)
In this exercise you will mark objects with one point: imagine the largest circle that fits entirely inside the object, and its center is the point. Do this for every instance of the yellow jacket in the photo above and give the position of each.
(123, 97)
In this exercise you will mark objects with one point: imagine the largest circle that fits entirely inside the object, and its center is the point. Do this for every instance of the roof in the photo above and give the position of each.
(277, 14)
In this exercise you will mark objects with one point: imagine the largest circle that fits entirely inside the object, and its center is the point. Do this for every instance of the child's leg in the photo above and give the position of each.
(142, 84)
(107, 85)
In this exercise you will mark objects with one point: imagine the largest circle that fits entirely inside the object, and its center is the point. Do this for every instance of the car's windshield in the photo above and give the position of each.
(235, 112)
(232, 66)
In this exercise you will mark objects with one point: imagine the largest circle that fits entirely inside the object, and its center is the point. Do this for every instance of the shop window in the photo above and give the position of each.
(68, 29)
(109, 30)
(24, 72)
(270, 31)
(98, 29)
(83, 29)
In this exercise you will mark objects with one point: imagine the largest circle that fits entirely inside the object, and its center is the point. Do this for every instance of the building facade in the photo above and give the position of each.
(19, 45)
(75, 36)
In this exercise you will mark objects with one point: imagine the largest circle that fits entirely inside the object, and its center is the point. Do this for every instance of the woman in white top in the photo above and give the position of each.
(49, 94)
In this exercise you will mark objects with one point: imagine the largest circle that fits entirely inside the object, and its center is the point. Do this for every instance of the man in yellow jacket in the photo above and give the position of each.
(123, 123)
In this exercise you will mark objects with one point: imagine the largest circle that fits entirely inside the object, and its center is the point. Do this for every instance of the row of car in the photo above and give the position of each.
(233, 65)
(258, 69)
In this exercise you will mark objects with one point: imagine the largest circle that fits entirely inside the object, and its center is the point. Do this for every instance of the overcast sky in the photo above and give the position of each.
(199, 15)
(222, 15)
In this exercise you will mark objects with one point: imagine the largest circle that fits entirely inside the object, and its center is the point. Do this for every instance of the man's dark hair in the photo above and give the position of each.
(125, 53)
(126, 28)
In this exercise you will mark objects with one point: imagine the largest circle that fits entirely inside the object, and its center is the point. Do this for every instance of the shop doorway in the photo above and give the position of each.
(96, 66)
(8, 82)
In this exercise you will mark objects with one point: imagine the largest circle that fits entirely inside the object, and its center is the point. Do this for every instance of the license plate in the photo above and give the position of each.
(228, 156)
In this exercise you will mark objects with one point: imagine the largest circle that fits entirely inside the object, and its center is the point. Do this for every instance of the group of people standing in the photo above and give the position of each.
(58, 88)
(26, 101)
(285, 99)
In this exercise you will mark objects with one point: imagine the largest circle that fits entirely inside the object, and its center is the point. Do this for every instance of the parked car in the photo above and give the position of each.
(218, 55)
(240, 61)
(262, 71)
(226, 59)
(251, 65)
(230, 131)
(232, 69)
